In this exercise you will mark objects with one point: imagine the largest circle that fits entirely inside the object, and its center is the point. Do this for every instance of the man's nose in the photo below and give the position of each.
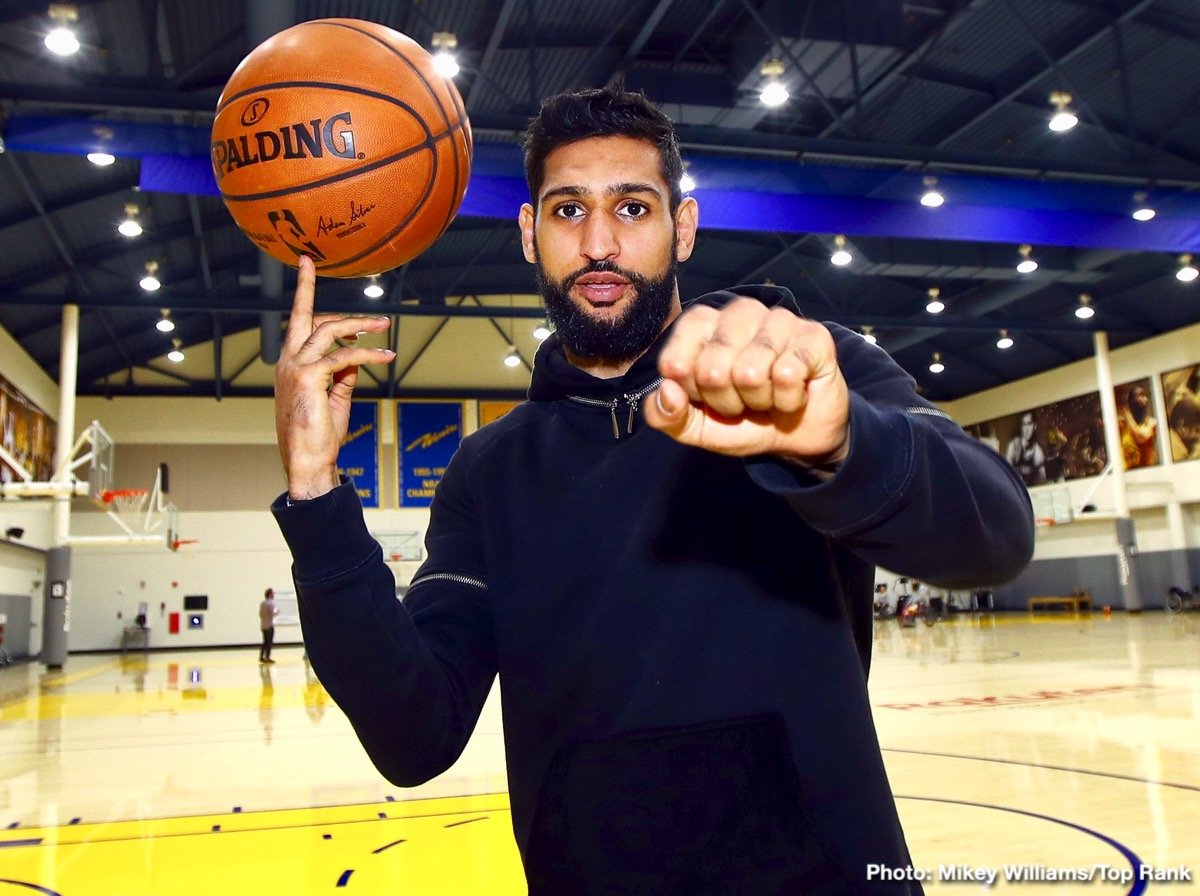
(599, 238)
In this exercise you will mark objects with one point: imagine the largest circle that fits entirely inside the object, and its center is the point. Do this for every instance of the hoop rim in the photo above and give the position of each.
(110, 495)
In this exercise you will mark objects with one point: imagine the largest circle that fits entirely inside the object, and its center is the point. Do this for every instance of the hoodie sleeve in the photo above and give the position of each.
(412, 675)
(916, 494)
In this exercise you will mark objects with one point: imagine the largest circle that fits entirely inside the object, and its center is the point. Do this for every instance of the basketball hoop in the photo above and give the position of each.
(124, 500)
(1044, 522)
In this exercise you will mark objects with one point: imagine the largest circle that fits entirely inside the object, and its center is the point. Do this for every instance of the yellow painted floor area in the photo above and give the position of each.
(1026, 746)
(449, 845)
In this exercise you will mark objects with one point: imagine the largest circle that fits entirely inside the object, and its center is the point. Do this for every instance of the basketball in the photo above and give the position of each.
(336, 139)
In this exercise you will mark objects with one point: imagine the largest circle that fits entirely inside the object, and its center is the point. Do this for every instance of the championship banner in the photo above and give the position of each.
(491, 411)
(359, 454)
(427, 434)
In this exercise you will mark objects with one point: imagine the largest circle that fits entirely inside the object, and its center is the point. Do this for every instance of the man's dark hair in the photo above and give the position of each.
(605, 112)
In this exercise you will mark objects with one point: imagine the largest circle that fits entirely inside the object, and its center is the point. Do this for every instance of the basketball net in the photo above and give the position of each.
(124, 506)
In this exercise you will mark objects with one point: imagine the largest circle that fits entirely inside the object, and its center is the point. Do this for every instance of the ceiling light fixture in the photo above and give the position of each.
(1027, 264)
(101, 159)
(373, 290)
(512, 359)
(165, 324)
(444, 61)
(1063, 119)
(150, 282)
(1142, 211)
(176, 353)
(1187, 268)
(541, 331)
(773, 93)
(932, 197)
(130, 227)
(1005, 341)
(61, 40)
(868, 335)
(935, 305)
(841, 255)
(936, 366)
(1085, 309)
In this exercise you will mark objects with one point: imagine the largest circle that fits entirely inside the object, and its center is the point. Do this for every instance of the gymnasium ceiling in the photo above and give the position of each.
(884, 94)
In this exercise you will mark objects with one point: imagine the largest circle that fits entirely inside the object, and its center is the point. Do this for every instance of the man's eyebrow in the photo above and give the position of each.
(627, 188)
(622, 189)
(572, 191)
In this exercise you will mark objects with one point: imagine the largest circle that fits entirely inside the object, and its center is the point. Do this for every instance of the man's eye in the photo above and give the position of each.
(636, 209)
(569, 210)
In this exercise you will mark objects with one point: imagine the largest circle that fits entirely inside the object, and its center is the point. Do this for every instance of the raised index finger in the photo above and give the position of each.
(300, 322)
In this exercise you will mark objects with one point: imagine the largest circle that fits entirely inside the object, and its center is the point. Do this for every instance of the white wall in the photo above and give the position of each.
(216, 462)
(239, 554)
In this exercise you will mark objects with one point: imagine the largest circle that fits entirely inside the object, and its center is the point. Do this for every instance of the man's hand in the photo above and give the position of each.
(314, 381)
(746, 379)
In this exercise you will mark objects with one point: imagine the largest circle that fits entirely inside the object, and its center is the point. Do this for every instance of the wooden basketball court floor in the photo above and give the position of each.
(1040, 749)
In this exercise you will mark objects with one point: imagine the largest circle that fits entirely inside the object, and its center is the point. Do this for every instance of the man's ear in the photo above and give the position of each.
(526, 219)
(687, 219)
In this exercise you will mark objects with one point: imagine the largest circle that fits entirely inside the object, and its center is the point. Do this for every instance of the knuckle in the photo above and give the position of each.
(749, 374)
(712, 376)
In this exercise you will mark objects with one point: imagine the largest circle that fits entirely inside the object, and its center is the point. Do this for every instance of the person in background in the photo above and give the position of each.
(1185, 428)
(1138, 428)
(1025, 454)
(267, 611)
(666, 553)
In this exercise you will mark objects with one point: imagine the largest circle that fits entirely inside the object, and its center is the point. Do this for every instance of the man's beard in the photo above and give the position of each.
(623, 339)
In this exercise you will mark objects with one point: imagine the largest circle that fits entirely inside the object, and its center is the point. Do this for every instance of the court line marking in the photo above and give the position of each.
(55, 843)
(34, 887)
(1131, 857)
(1056, 768)
(202, 815)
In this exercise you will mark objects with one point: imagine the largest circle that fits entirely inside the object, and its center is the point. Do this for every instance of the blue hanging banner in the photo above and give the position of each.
(359, 455)
(427, 434)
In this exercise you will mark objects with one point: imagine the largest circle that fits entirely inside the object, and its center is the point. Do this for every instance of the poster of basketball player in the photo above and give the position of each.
(1137, 424)
(1181, 392)
(26, 433)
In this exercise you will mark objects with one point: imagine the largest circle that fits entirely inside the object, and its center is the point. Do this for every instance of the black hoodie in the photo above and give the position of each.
(682, 638)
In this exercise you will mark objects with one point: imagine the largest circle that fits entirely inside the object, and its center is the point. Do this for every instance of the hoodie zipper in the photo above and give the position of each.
(450, 576)
(633, 399)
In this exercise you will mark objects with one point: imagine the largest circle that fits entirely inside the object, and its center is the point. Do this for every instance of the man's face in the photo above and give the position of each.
(606, 246)
(1189, 433)
(1027, 426)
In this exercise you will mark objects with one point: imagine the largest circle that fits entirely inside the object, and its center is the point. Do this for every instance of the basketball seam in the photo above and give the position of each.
(436, 101)
(332, 85)
(430, 143)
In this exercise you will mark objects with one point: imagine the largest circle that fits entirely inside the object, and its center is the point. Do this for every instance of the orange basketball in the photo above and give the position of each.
(336, 139)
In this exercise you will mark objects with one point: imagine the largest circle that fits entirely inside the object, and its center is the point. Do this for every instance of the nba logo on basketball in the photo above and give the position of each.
(361, 168)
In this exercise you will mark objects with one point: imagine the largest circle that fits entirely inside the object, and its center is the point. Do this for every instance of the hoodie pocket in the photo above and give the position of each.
(702, 810)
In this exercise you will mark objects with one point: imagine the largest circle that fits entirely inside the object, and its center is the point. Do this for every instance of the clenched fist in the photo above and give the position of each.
(747, 379)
